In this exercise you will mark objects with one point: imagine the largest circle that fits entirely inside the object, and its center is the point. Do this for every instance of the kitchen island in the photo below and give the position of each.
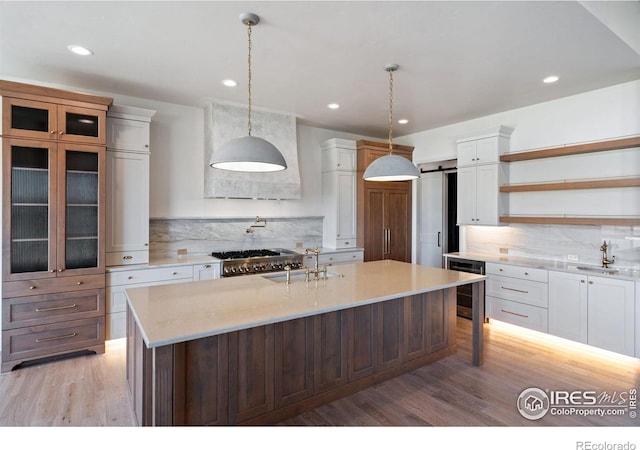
(256, 350)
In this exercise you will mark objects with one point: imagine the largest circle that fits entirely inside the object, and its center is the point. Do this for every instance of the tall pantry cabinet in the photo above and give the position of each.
(53, 216)
(384, 208)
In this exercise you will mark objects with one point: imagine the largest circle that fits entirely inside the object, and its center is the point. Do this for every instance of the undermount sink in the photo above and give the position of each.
(298, 275)
(597, 269)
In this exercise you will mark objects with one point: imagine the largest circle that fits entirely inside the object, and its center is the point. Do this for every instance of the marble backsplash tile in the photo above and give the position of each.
(556, 242)
(203, 236)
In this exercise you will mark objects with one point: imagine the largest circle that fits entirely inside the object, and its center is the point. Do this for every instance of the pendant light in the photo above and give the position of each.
(391, 167)
(248, 153)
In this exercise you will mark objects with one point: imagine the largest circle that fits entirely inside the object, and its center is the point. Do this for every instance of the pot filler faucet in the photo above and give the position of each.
(605, 261)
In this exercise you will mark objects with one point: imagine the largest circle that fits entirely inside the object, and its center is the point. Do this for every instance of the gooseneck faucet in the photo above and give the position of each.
(605, 261)
(315, 271)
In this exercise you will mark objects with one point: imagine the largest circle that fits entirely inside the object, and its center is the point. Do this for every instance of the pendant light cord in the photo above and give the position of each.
(249, 77)
(390, 110)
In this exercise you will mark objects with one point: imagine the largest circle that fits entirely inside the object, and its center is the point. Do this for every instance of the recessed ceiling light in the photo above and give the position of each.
(333, 106)
(229, 83)
(403, 121)
(79, 50)
(551, 79)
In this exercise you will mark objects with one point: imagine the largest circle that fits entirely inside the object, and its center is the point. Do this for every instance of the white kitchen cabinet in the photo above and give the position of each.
(206, 271)
(480, 175)
(517, 295)
(127, 194)
(479, 199)
(611, 314)
(144, 276)
(339, 193)
(595, 310)
(568, 307)
(638, 319)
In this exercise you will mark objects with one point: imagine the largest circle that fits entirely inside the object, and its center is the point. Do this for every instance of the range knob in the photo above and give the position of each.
(226, 270)
(234, 269)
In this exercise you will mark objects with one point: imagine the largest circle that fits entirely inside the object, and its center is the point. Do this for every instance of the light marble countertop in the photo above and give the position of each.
(560, 266)
(175, 313)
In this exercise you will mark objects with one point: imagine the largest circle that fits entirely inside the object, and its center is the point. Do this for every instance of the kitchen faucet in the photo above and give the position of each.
(605, 261)
(315, 270)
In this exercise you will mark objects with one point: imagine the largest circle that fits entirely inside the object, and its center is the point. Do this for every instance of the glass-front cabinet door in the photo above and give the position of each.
(42, 120)
(82, 125)
(29, 209)
(29, 119)
(81, 224)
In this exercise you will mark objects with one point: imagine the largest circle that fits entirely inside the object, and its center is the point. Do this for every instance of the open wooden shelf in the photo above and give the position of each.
(616, 144)
(568, 185)
(622, 221)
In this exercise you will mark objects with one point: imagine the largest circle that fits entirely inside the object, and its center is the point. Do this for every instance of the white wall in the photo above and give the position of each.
(595, 115)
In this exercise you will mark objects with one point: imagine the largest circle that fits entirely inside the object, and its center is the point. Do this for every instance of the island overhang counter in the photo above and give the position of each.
(251, 350)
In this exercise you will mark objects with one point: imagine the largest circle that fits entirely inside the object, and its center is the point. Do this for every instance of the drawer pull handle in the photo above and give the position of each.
(127, 257)
(515, 314)
(207, 266)
(515, 290)
(66, 336)
(55, 308)
(31, 288)
(79, 283)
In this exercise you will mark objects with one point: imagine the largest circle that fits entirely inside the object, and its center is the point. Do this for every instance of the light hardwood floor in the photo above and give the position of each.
(91, 390)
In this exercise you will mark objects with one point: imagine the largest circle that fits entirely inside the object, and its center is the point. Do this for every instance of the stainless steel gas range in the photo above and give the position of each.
(249, 262)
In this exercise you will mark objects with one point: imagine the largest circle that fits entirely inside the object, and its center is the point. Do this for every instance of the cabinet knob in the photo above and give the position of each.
(52, 131)
(590, 282)
(60, 133)
(346, 243)
(146, 244)
(52, 271)
(79, 283)
(31, 288)
(581, 281)
(207, 266)
(501, 270)
(146, 145)
(130, 277)
(526, 273)
(175, 273)
(127, 257)
(60, 270)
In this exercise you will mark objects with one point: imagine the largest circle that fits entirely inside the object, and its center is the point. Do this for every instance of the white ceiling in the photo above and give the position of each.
(458, 60)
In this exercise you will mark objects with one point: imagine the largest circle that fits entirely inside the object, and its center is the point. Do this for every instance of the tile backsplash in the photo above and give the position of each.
(203, 236)
(556, 242)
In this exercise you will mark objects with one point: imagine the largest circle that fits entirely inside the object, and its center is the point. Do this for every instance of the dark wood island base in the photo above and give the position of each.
(268, 373)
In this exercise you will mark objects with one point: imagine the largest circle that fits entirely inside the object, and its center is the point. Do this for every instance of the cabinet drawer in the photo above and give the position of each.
(51, 285)
(346, 243)
(526, 273)
(342, 257)
(126, 258)
(157, 274)
(51, 339)
(522, 291)
(526, 316)
(42, 309)
(117, 300)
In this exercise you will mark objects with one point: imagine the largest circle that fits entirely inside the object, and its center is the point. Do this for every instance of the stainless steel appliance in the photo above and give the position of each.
(464, 292)
(249, 262)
